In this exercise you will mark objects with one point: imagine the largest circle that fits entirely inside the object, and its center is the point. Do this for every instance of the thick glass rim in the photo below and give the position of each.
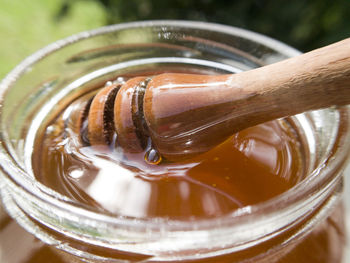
(321, 176)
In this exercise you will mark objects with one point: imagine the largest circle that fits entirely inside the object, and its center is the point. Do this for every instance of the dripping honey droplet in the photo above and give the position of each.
(153, 157)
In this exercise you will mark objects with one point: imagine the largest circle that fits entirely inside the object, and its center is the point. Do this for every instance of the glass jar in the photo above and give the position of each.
(304, 224)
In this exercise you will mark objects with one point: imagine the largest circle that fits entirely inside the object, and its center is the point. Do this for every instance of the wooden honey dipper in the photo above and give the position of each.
(188, 114)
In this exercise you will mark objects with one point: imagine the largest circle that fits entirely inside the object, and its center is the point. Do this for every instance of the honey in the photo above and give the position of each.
(250, 167)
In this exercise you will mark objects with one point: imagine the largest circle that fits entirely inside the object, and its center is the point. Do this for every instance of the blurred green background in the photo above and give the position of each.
(27, 25)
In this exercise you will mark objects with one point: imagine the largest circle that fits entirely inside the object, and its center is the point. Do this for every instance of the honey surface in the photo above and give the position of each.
(250, 167)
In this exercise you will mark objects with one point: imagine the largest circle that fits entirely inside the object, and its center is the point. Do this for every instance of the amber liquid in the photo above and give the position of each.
(249, 168)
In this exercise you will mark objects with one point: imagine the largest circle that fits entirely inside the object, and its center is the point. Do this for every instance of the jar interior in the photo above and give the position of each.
(180, 53)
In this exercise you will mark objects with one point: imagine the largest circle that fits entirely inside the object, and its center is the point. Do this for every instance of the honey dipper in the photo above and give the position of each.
(188, 114)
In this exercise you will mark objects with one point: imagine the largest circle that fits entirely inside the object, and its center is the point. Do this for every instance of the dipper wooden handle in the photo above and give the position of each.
(187, 114)
(190, 114)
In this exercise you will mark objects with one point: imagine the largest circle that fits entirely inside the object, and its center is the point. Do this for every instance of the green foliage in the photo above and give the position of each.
(303, 24)
(26, 26)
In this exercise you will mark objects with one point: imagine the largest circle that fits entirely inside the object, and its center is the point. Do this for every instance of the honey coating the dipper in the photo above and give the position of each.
(250, 167)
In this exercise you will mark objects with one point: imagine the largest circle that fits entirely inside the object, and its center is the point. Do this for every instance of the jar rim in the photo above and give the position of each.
(322, 175)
